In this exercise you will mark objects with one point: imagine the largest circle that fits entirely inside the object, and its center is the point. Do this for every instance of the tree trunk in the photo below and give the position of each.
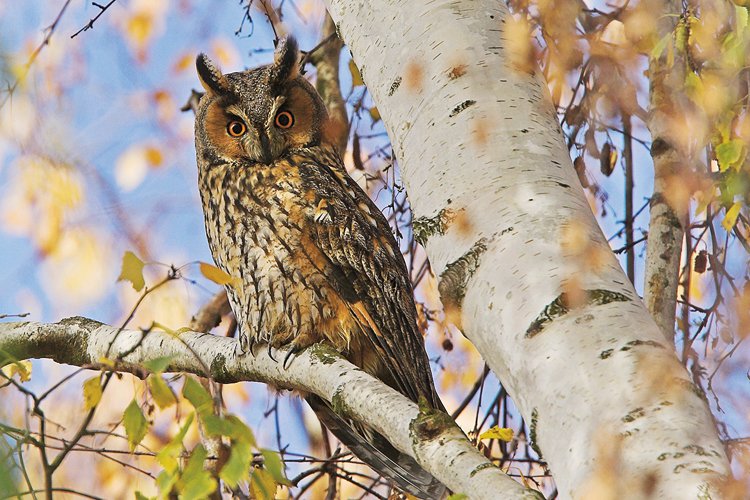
(666, 228)
(524, 268)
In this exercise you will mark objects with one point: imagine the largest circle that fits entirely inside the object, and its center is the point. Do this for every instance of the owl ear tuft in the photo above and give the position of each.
(285, 61)
(209, 74)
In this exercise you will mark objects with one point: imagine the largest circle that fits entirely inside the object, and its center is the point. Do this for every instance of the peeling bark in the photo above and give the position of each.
(502, 163)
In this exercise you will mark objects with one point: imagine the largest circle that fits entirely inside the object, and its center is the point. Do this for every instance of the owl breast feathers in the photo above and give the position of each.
(311, 256)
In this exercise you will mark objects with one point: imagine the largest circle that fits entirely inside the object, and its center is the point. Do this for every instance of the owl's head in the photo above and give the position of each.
(260, 114)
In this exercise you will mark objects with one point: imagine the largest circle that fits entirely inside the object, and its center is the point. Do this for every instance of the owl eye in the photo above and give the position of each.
(284, 119)
(236, 128)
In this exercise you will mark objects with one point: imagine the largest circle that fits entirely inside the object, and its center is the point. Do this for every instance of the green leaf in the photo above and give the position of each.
(495, 432)
(7, 481)
(92, 392)
(694, 87)
(165, 481)
(230, 426)
(167, 456)
(132, 270)
(158, 365)
(195, 482)
(195, 463)
(237, 467)
(730, 219)
(458, 496)
(356, 76)
(660, 46)
(274, 466)
(161, 392)
(135, 424)
(141, 496)
(198, 486)
(197, 395)
(262, 485)
(729, 153)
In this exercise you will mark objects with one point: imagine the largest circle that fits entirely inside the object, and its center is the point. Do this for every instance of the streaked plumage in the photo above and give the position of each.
(312, 257)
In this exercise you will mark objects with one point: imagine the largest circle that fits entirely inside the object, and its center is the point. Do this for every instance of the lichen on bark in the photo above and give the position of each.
(424, 227)
(560, 307)
(455, 278)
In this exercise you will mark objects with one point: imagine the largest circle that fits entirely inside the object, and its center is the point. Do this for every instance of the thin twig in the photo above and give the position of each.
(26, 67)
(90, 25)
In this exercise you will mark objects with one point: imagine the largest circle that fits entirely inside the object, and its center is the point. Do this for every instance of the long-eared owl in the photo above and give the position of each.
(311, 256)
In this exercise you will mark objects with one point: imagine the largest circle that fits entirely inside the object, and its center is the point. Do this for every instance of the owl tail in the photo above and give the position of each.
(378, 453)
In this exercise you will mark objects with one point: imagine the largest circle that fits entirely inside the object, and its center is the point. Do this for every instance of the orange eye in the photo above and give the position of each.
(284, 119)
(236, 128)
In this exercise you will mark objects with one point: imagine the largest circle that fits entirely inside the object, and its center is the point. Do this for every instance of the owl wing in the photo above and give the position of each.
(368, 272)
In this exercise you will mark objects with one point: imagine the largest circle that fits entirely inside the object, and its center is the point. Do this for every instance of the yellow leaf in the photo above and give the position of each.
(92, 392)
(215, 274)
(184, 62)
(704, 199)
(154, 156)
(138, 28)
(495, 432)
(107, 362)
(262, 485)
(374, 114)
(356, 77)
(132, 270)
(170, 331)
(730, 219)
(20, 368)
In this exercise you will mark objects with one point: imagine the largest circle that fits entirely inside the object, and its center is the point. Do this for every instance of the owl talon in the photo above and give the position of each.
(290, 356)
(270, 354)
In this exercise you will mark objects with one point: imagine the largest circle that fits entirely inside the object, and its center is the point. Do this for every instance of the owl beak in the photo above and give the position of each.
(265, 145)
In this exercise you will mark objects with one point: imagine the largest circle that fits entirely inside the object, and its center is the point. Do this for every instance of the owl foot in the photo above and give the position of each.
(290, 356)
(270, 354)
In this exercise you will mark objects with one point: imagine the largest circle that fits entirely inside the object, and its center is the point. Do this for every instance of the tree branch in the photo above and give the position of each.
(325, 57)
(431, 438)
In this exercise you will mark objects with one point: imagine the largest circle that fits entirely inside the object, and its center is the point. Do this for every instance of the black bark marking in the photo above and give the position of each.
(394, 86)
(461, 107)
(559, 307)
(633, 415)
(532, 432)
(424, 227)
(455, 278)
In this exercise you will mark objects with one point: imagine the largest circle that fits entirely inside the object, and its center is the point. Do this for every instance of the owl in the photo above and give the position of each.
(311, 256)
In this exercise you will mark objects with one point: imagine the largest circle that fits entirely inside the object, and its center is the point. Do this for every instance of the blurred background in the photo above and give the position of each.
(97, 158)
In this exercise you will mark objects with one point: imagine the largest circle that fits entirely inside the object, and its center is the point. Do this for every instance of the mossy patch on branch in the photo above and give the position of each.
(324, 353)
(429, 423)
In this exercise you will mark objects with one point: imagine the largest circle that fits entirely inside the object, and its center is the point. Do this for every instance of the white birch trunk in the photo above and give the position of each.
(430, 437)
(489, 177)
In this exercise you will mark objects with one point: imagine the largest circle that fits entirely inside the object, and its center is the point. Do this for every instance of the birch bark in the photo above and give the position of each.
(430, 437)
(524, 269)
